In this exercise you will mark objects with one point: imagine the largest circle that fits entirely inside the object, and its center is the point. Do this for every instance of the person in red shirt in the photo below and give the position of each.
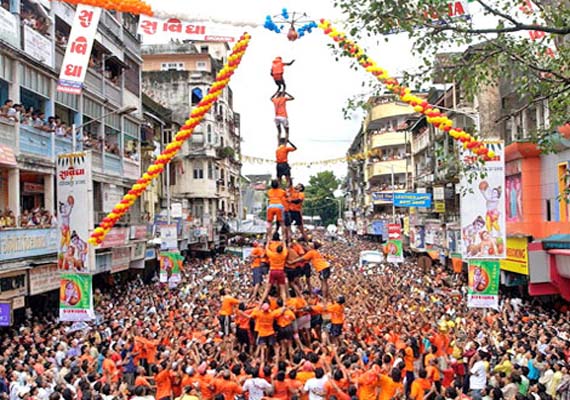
(277, 70)
(280, 100)
(281, 157)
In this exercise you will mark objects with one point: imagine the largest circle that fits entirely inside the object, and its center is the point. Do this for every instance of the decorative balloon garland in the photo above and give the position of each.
(434, 116)
(198, 113)
(129, 6)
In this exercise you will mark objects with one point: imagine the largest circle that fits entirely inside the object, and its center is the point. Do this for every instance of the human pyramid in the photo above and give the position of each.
(287, 314)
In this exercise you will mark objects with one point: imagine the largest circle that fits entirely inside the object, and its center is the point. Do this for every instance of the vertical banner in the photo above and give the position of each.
(483, 223)
(171, 268)
(73, 208)
(76, 59)
(75, 298)
(394, 251)
(483, 290)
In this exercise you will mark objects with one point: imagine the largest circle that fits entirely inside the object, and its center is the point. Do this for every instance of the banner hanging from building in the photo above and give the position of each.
(483, 223)
(483, 290)
(171, 268)
(75, 298)
(154, 28)
(74, 185)
(78, 52)
(394, 251)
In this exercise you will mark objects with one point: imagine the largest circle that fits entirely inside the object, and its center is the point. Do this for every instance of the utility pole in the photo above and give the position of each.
(393, 195)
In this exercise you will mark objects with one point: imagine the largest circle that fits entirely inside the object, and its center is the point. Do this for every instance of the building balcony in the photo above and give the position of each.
(8, 132)
(380, 140)
(40, 143)
(392, 109)
(382, 168)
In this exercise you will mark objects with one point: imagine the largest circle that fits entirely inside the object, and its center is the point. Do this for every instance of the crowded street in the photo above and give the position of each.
(405, 334)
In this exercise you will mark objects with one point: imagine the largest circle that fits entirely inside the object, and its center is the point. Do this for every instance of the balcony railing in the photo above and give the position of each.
(112, 164)
(113, 93)
(35, 142)
(8, 132)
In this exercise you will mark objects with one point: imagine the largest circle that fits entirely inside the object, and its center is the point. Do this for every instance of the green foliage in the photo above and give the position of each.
(318, 197)
(502, 49)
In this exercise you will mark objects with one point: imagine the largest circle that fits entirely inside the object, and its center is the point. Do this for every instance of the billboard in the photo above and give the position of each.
(483, 289)
(74, 212)
(75, 298)
(483, 224)
(422, 200)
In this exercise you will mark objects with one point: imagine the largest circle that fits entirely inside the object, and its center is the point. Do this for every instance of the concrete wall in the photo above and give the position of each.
(549, 177)
(169, 89)
(190, 61)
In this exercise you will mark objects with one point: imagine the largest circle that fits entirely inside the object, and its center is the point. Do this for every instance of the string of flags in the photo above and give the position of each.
(350, 158)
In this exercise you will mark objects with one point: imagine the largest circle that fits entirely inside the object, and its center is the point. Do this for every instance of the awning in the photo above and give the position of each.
(559, 252)
(7, 157)
(558, 241)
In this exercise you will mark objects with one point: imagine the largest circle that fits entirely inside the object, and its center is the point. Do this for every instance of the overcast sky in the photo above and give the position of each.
(320, 85)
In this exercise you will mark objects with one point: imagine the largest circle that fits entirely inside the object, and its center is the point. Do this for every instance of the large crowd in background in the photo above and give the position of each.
(382, 332)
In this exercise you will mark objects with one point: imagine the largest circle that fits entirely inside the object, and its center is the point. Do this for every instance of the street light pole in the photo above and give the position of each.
(393, 195)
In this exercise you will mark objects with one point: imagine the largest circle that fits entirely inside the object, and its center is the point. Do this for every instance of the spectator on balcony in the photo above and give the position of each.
(14, 112)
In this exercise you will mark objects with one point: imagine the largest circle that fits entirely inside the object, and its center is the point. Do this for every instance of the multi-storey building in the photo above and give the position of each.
(205, 176)
(107, 116)
(383, 164)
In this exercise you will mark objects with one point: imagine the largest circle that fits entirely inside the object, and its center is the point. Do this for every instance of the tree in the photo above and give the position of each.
(527, 40)
(319, 197)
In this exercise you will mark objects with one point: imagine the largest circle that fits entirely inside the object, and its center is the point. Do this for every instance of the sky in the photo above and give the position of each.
(321, 86)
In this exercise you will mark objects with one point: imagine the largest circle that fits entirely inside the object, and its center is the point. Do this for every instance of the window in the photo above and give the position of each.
(132, 75)
(172, 174)
(222, 141)
(209, 131)
(204, 49)
(176, 66)
(198, 173)
(197, 96)
(201, 65)
(563, 187)
(210, 170)
(548, 210)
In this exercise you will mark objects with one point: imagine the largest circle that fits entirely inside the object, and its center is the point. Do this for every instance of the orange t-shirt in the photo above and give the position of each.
(433, 373)
(205, 382)
(277, 260)
(277, 67)
(286, 319)
(228, 388)
(280, 104)
(282, 153)
(163, 382)
(141, 381)
(280, 390)
(409, 359)
(304, 376)
(388, 387)
(297, 303)
(337, 313)
(316, 259)
(295, 195)
(257, 254)
(339, 393)
(228, 304)
(276, 196)
(242, 322)
(109, 368)
(367, 384)
(419, 387)
(264, 321)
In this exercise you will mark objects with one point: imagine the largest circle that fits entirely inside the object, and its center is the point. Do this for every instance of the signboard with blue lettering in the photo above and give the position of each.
(412, 200)
(382, 196)
(24, 243)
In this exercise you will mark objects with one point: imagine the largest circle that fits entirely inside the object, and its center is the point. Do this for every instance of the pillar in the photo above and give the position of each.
(14, 192)
(49, 194)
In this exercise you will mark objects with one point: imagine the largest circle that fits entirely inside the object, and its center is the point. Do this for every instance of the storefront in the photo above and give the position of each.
(44, 285)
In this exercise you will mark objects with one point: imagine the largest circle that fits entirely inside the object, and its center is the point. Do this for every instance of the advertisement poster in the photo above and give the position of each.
(417, 237)
(394, 251)
(74, 185)
(171, 268)
(517, 256)
(78, 51)
(483, 289)
(5, 314)
(75, 298)
(483, 223)
(168, 237)
(514, 198)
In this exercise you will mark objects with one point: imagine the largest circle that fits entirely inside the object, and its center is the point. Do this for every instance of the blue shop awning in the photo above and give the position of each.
(558, 241)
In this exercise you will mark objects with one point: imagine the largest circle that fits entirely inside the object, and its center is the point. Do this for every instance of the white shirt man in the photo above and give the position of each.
(316, 386)
(256, 387)
(478, 378)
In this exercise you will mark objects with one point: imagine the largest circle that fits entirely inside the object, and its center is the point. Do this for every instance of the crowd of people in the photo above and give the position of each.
(29, 218)
(404, 333)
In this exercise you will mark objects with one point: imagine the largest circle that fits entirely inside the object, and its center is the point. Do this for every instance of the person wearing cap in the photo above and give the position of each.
(277, 71)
